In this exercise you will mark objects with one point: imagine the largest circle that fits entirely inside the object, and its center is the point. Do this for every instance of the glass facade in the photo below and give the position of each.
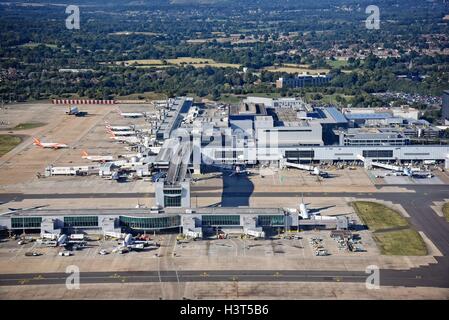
(299, 154)
(378, 153)
(172, 201)
(220, 220)
(270, 220)
(26, 223)
(81, 221)
(150, 223)
(172, 198)
(172, 191)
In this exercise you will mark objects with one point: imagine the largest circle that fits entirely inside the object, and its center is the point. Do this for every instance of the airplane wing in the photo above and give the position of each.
(12, 210)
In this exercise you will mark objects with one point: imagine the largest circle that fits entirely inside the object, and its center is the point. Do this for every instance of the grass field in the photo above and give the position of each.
(296, 68)
(391, 230)
(405, 242)
(145, 95)
(7, 143)
(196, 62)
(329, 98)
(337, 63)
(378, 217)
(143, 62)
(28, 125)
(446, 210)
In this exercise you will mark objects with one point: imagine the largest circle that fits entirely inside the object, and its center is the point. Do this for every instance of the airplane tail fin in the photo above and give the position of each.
(111, 133)
(37, 142)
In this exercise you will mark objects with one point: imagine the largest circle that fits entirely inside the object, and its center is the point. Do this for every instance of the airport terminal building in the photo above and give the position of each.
(271, 131)
(202, 220)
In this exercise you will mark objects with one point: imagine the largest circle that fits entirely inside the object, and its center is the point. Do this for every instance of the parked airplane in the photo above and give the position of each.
(317, 172)
(130, 140)
(53, 145)
(13, 210)
(122, 132)
(97, 158)
(303, 211)
(417, 174)
(237, 170)
(138, 245)
(118, 128)
(131, 114)
(131, 155)
(64, 241)
(306, 213)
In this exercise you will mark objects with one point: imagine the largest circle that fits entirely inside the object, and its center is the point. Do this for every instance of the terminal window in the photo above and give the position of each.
(26, 223)
(270, 220)
(172, 191)
(172, 201)
(150, 223)
(378, 153)
(220, 220)
(81, 221)
(299, 154)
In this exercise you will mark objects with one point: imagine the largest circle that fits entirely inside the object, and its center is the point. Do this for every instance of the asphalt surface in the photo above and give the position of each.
(417, 203)
(409, 278)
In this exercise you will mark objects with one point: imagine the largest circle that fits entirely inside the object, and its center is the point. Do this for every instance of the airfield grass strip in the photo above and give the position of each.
(8, 142)
(446, 210)
(28, 125)
(391, 230)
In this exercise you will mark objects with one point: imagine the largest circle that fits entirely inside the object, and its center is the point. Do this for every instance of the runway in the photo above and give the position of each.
(409, 278)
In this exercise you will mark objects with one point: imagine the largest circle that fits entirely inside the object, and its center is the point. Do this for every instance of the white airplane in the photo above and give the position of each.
(53, 145)
(131, 155)
(303, 211)
(122, 133)
(417, 174)
(130, 140)
(131, 114)
(13, 210)
(97, 158)
(118, 128)
(64, 241)
(317, 172)
(237, 170)
(138, 245)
